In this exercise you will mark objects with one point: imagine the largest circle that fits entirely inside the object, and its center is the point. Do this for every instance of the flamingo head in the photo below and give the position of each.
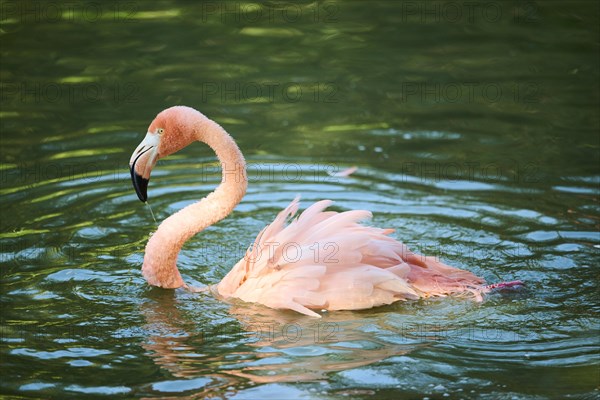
(171, 130)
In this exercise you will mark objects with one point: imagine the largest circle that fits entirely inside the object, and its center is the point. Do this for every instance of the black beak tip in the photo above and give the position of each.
(139, 184)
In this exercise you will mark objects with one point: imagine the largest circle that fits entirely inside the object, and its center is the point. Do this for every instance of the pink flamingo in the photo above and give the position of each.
(321, 260)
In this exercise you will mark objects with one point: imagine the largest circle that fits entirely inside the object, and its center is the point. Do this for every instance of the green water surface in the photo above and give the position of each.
(474, 127)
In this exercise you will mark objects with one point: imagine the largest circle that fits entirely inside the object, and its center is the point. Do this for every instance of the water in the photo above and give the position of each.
(475, 137)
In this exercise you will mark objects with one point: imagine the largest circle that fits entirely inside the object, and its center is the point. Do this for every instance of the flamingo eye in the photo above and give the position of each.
(160, 131)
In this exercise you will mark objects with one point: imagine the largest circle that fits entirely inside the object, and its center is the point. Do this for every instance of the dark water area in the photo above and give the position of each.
(474, 127)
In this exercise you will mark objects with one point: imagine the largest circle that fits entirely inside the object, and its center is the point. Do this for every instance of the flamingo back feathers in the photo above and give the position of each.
(328, 260)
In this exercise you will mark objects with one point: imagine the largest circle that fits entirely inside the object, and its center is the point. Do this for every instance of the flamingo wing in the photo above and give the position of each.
(329, 260)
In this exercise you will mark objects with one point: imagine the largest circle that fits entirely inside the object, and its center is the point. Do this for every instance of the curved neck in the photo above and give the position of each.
(160, 259)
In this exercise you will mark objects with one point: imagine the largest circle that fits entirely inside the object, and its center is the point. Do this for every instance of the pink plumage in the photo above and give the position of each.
(329, 260)
(316, 260)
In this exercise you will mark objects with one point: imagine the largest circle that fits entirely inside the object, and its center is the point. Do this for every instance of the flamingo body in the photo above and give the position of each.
(328, 260)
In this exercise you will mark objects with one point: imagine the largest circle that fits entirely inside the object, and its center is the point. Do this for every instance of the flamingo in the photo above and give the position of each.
(319, 260)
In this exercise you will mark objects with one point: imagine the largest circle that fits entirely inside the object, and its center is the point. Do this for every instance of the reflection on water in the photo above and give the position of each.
(268, 345)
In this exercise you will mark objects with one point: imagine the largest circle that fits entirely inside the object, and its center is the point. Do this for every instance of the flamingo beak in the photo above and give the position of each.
(141, 163)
